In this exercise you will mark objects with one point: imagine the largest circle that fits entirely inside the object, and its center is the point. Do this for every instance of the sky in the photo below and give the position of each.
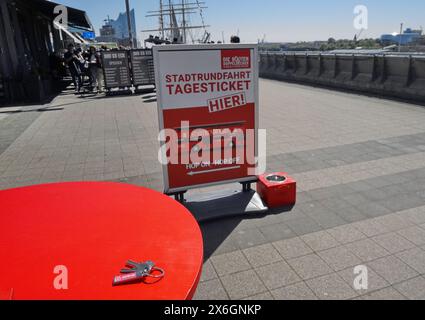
(275, 20)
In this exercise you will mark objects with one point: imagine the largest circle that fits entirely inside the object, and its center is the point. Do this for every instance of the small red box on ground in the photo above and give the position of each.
(277, 189)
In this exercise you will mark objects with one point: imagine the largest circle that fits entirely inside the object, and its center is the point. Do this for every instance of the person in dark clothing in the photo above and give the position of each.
(72, 61)
(84, 65)
(235, 39)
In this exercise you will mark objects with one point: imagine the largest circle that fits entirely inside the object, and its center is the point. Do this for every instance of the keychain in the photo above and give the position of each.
(138, 271)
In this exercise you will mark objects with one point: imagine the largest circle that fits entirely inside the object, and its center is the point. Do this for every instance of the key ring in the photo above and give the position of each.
(159, 276)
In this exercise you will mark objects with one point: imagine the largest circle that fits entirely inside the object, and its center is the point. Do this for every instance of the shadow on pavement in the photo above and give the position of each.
(216, 232)
(149, 100)
(47, 109)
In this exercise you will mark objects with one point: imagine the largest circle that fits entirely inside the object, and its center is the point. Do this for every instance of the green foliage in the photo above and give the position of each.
(329, 45)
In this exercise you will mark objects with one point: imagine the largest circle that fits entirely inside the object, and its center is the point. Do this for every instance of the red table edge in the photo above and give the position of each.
(191, 292)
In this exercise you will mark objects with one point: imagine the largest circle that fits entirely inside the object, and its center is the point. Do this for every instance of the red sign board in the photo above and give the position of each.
(208, 114)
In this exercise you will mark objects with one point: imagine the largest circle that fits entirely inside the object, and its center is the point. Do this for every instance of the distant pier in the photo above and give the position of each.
(392, 75)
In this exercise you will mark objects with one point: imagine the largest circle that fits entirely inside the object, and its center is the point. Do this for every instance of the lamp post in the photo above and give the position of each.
(130, 33)
(401, 38)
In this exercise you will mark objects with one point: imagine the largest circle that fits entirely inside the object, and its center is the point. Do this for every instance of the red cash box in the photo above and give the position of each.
(277, 189)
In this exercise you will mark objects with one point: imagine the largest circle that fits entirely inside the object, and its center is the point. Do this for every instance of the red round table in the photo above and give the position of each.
(92, 229)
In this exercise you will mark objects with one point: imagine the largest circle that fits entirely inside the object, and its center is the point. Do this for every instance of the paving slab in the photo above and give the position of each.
(299, 291)
(309, 266)
(243, 284)
(292, 248)
(413, 289)
(384, 294)
(367, 250)
(262, 255)
(393, 269)
(261, 297)
(415, 234)
(346, 234)
(339, 258)
(393, 243)
(208, 272)
(320, 241)
(331, 287)
(277, 275)
(415, 258)
(230, 263)
(211, 290)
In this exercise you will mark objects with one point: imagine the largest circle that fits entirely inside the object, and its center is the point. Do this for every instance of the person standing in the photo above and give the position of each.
(72, 61)
(100, 74)
(84, 65)
(95, 67)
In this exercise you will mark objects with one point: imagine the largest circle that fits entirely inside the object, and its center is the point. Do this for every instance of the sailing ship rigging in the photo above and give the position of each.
(178, 31)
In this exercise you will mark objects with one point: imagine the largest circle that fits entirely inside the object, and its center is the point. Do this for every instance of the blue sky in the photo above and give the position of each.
(279, 20)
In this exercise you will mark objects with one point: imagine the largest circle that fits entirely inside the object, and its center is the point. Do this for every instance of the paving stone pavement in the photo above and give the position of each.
(359, 163)
(13, 127)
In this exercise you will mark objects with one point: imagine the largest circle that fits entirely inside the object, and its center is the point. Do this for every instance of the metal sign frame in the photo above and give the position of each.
(210, 47)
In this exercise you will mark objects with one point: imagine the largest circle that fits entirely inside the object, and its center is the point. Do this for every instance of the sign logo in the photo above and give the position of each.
(236, 59)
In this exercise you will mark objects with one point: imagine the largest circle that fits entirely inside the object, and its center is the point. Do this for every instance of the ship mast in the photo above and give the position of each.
(172, 10)
(171, 18)
(184, 20)
(161, 18)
